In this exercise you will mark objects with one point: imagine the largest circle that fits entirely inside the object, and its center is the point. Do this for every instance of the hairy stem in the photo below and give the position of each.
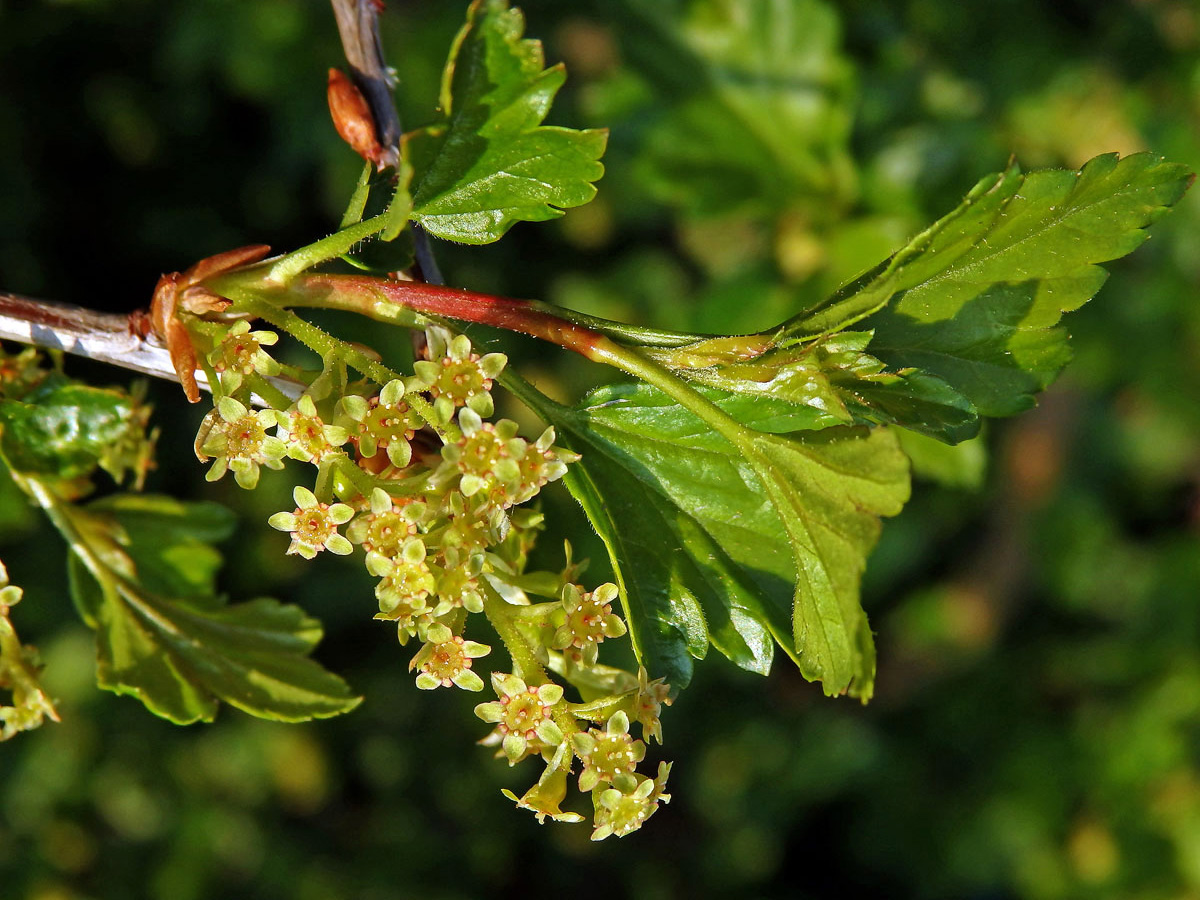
(503, 617)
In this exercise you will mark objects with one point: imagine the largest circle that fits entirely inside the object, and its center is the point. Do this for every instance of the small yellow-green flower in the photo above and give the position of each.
(468, 524)
(589, 620)
(486, 455)
(314, 525)
(241, 351)
(460, 377)
(522, 716)
(305, 435)
(545, 797)
(608, 756)
(539, 465)
(238, 440)
(384, 529)
(648, 703)
(446, 658)
(19, 672)
(383, 423)
(458, 581)
(621, 812)
(404, 587)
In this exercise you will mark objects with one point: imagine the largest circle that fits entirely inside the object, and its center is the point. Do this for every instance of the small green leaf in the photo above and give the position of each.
(180, 658)
(763, 541)
(493, 163)
(142, 574)
(168, 541)
(975, 299)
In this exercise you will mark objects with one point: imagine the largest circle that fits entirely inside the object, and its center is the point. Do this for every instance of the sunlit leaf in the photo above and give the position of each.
(492, 163)
(832, 381)
(976, 297)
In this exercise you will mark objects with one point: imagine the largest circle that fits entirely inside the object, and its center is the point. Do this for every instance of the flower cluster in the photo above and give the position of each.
(526, 720)
(413, 471)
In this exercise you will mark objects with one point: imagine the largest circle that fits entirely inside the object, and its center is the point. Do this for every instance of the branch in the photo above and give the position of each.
(358, 26)
(105, 337)
(113, 338)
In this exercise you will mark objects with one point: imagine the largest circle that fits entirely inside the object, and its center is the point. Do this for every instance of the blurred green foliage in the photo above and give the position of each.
(1036, 731)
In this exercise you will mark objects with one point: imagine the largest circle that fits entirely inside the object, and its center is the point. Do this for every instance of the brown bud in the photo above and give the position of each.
(352, 117)
(223, 262)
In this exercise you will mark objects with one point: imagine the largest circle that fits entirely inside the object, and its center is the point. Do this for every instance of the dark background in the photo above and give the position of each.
(1037, 724)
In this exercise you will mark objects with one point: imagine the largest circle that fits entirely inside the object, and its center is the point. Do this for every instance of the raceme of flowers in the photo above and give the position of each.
(414, 474)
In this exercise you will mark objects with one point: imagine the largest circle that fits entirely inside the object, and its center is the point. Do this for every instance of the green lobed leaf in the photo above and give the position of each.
(492, 163)
(142, 574)
(761, 103)
(738, 546)
(975, 299)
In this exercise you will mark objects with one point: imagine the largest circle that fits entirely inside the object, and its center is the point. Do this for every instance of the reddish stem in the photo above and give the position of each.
(371, 296)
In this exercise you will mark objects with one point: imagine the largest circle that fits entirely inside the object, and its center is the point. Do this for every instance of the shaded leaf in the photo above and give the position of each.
(762, 103)
(142, 574)
(67, 430)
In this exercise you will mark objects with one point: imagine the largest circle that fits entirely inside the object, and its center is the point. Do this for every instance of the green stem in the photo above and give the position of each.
(351, 475)
(60, 515)
(525, 662)
(316, 339)
(273, 396)
(634, 363)
(287, 267)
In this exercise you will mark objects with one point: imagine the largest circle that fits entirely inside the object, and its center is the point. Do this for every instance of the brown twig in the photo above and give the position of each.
(112, 338)
(358, 26)
(106, 337)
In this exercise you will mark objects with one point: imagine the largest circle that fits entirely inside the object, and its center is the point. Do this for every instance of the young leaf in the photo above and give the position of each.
(826, 382)
(767, 538)
(975, 298)
(492, 162)
(142, 573)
